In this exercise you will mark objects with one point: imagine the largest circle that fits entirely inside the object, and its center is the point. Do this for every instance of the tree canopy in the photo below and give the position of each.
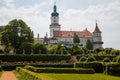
(89, 45)
(76, 38)
(15, 33)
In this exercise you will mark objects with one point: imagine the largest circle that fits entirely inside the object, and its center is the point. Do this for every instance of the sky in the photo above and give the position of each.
(74, 14)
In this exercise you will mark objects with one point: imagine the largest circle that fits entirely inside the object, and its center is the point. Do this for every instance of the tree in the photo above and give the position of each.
(76, 38)
(26, 48)
(40, 48)
(89, 45)
(15, 33)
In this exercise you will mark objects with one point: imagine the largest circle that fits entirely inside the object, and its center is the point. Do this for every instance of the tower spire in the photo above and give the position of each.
(96, 28)
(96, 24)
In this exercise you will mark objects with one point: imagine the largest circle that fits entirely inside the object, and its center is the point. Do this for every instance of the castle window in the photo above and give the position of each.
(54, 20)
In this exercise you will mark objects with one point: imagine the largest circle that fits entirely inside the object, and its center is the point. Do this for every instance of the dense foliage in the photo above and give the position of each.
(97, 66)
(76, 38)
(61, 70)
(89, 45)
(15, 33)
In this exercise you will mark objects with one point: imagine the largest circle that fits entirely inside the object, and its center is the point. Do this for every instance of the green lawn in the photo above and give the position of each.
(81, 77)
(0, 73)
(52, 76)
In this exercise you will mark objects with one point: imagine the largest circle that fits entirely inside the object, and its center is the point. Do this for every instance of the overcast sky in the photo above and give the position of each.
(74, 14)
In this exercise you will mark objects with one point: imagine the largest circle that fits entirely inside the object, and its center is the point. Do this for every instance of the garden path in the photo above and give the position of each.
(8, 75)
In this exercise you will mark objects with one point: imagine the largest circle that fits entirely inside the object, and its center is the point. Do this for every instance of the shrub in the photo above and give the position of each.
(62, 50)
(40, 48)
(27, 47)
(106, 59)
(118, 59)
(0, 68)
(113, 69)
(91, 59)
(83, 59)
(40, 57)
(28, 75)
(97, 66)
(11, 67)
(54, 65)
(61, 70)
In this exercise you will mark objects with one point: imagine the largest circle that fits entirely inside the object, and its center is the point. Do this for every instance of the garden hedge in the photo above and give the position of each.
(113, 69)
(61, 70)
(28, 57)
(97, 66)
(98, 58)
(28, 75)
(10, 67)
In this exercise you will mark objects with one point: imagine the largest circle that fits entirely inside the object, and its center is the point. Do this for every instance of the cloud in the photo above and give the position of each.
(37, 16)
(8, 3)
(108, 20)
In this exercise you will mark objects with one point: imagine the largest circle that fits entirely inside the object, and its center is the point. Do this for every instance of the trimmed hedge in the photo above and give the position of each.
(106, 59)
(40, 57)
(11, 67)
(53, 65)
(28, 75)
(113, 69)
(98, 58)
(61, 70)
(97, 66)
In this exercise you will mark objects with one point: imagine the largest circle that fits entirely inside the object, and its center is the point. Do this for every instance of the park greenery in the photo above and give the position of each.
(38, 61)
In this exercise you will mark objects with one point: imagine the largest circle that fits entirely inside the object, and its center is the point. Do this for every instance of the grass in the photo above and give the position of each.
(18, 75)
(52, 76)
(1, 73)
(81, 77)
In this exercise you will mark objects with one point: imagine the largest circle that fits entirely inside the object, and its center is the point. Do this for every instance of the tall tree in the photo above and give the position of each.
(89, 45)
(15, 33)
(76, 38)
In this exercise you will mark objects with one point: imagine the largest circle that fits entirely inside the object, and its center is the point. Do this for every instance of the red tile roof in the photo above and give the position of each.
(97, 29)
(84, 33)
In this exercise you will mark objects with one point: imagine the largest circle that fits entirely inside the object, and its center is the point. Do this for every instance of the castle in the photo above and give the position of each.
(66, 37)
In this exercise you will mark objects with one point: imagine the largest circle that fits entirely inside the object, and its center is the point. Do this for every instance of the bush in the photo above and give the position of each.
(0, 68)
(91, 59)
(28, 75)
(118, 59)
(106, 59)
(10, 67)
(83, 59)
(61, 70)
(113, 69)
(40, 57)
(40, 49)
(54, 65)
(97, 66)
(98, 58)
(27, 47)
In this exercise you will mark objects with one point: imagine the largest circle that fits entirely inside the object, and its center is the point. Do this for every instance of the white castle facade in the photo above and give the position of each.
(59, 35)
(66, 37)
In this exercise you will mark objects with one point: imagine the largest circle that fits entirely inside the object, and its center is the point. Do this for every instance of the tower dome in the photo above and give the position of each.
(54, 13)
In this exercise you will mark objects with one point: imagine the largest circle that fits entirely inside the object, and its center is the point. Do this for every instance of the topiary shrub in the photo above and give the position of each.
(113, 69)
(27, 75)
(106, 59)
(40, 49)
(97, 66)
(91, 59)
(61, 70)
(83, 59)
(118, 59)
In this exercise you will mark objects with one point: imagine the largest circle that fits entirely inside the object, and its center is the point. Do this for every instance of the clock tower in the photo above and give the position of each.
(54, 26)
